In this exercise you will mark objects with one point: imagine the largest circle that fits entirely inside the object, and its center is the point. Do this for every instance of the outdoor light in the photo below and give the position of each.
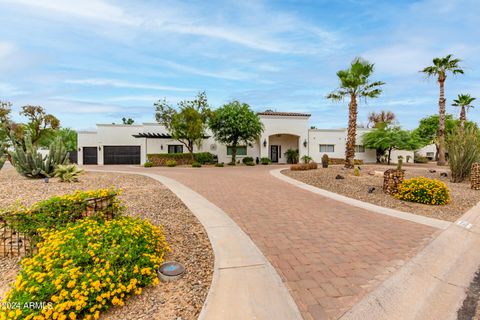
(99, 148)
(265, 143)
(305, 143)
(161, 147)
(79, 149)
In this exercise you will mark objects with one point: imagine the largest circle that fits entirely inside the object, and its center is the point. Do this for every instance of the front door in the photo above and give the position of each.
(274, 153)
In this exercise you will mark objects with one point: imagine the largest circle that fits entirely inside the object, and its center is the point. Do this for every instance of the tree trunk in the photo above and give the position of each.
(441, 123)
(463, 117)
(190, 149)
(352, 132)
(234, 154)
(389, 156)
(379, 154)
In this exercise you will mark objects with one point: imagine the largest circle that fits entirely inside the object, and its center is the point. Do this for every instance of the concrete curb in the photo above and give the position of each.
(435, 223)
(433, 284)
(245, 285)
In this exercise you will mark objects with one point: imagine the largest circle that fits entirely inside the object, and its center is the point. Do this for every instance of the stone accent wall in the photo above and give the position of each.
(475, 176)
(391, 179)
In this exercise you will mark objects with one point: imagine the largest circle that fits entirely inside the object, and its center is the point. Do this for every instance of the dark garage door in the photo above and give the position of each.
(121, 155)
(89, 155)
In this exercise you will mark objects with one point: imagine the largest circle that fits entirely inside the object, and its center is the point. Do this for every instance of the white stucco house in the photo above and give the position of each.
(130, 144)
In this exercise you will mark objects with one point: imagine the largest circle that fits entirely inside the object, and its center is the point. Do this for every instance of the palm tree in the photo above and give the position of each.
(376, 119)
(439, 69)
(464, 101)
(354, 83)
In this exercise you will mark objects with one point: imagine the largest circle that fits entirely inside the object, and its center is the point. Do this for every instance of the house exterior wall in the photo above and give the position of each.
(288, 132)
(428, 151)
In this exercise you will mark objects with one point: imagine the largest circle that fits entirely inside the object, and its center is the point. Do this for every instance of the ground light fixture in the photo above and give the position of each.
(170, 271)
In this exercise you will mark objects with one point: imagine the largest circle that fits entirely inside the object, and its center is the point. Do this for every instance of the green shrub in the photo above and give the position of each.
(171, 163)
(203, 157)
(160, 159)
(417, 158)
(68, 172)
(356, 172)
(265, 161)
(251, 163)
(304, 166)
(148, 164)
(423, 190)
(463, 148)
(196, 165)
(220, 164)
(247, 159)
(87, 267)
(306, 159)
(58, 211)
(232, 163)
(3, 155)
(292, 156)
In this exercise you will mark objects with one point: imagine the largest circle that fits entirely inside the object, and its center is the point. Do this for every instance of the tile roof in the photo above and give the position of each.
(288, 114)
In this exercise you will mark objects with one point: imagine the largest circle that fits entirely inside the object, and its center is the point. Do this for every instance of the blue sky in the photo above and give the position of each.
(95, 61)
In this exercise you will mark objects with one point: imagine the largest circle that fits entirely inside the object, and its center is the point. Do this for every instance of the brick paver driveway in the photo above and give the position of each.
(328, 253)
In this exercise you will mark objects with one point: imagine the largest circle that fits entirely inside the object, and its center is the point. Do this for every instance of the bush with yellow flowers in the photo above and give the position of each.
(86, 267)
(423, 190)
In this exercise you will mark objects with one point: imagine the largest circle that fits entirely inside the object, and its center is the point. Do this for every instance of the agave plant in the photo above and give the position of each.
(68, 172)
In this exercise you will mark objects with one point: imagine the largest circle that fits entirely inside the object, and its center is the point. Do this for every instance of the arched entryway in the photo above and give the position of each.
(279, 144)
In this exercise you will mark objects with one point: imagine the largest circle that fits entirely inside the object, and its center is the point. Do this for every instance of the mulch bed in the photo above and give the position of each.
(145, 198)
(463, 198)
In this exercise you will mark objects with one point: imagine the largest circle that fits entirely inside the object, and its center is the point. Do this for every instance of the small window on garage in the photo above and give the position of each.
(327, 148)
(359, 148)
(175, 148)
(241, 151)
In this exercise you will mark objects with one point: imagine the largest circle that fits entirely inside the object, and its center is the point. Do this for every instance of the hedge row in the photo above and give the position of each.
(160, 159)
(342, 161)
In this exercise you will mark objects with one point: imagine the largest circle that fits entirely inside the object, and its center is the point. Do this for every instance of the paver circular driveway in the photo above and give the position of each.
(328, 253)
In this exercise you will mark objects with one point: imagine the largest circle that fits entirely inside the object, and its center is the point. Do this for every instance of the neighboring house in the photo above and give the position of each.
(130, 144)
(428, 151)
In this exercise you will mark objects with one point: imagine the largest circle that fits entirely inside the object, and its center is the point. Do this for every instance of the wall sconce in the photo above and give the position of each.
(99, 148)
(161, 147)
(305, 143)
(265, 143)
(79, 149)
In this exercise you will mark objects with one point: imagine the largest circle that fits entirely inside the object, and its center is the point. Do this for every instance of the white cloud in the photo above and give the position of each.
(125, 84)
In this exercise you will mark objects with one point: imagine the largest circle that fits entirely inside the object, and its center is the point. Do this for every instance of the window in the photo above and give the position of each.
(359, 148)
(327, 148)
(241, 151)
(430, 155)
(175, 148)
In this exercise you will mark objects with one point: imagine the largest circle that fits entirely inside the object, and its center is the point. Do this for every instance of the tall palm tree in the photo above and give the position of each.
(376, 119)
(354, 83)
(464, 101)
(440, 68)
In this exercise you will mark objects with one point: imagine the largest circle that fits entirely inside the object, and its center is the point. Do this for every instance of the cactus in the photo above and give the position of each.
(399, 163)
(31, 164)
(325, 161)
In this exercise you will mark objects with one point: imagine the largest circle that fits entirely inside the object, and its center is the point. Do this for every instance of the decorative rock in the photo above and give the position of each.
(475, 176)
(170, 271)
(443, 174)
(371, 189)
(391, 179)
(339, 177)
(432, 171)
(371, 173)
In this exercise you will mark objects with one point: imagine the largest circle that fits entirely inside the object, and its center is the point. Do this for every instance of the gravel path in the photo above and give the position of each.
(148, 199)
(463, 198)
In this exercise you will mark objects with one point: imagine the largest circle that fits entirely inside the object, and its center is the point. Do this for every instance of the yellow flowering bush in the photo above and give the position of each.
(423, 190)
(86, 267)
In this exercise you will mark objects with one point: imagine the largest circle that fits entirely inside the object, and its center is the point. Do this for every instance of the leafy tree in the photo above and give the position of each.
(375, 119)
(67, 135)
(355, 84)
(235, 123)
(388, 138)
(439, 69)
(188, 123)
(427, 130)
(128, 121)
(464, 101)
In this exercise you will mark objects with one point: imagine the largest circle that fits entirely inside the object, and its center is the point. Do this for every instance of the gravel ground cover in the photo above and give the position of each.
(146, 198)
(463, 198)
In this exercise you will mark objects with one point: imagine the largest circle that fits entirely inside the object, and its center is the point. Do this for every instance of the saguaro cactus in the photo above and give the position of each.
(31, 164)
